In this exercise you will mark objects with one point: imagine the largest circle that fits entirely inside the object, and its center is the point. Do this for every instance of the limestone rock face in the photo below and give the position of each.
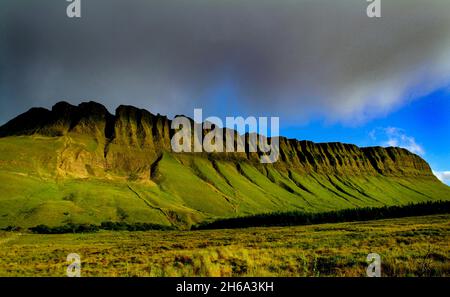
(343, 158)
(27, 123)
(133, 139)
(84, 163)
(141, 129)
(87, 118)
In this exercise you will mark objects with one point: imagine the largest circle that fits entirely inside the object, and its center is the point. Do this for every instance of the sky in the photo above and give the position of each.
(323, 67)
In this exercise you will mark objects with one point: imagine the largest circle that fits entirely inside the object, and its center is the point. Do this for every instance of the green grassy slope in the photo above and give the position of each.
(56, 180)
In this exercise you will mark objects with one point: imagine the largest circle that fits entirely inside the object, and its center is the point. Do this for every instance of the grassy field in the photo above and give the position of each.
(60, 180)
(415, 246)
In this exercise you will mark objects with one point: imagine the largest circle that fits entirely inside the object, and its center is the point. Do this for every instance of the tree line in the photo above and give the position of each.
(89, 228)
(293, 218)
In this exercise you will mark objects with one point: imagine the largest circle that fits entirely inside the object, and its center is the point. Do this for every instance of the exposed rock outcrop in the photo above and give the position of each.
(132, 139)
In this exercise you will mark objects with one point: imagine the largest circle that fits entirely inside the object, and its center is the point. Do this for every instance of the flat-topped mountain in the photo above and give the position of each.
(83, 164)
(138, 129)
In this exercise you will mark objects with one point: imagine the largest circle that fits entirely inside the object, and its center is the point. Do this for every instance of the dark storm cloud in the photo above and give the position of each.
(297, 59)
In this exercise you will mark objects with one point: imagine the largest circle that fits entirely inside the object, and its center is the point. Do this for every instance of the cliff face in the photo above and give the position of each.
(140, 129)
(133, 138)
(350, 159)
(87, 118)
(83, 164)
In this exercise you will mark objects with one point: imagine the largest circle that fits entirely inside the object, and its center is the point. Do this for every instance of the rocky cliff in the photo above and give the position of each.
(139, 131)
(84, 164)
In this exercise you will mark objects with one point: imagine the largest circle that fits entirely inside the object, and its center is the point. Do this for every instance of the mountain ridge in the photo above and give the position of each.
(140, 128)
(84, 164)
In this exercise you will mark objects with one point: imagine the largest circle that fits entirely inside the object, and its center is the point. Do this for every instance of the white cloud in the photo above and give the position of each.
(443, 176)
(393, 136)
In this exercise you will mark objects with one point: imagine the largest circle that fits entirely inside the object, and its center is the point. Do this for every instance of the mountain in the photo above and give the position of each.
(82, 164)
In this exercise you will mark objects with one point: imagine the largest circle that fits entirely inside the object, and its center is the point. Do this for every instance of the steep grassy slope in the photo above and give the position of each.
(84, 165)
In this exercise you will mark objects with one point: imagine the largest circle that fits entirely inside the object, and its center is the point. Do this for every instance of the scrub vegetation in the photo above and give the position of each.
(412, 246)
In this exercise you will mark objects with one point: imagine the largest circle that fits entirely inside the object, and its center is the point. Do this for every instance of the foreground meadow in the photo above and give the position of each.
(415, 246)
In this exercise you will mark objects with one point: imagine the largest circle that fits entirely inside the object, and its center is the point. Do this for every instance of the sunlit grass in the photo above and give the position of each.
(417, 246)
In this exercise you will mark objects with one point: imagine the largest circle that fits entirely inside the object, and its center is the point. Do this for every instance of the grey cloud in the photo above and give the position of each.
(295, 59)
